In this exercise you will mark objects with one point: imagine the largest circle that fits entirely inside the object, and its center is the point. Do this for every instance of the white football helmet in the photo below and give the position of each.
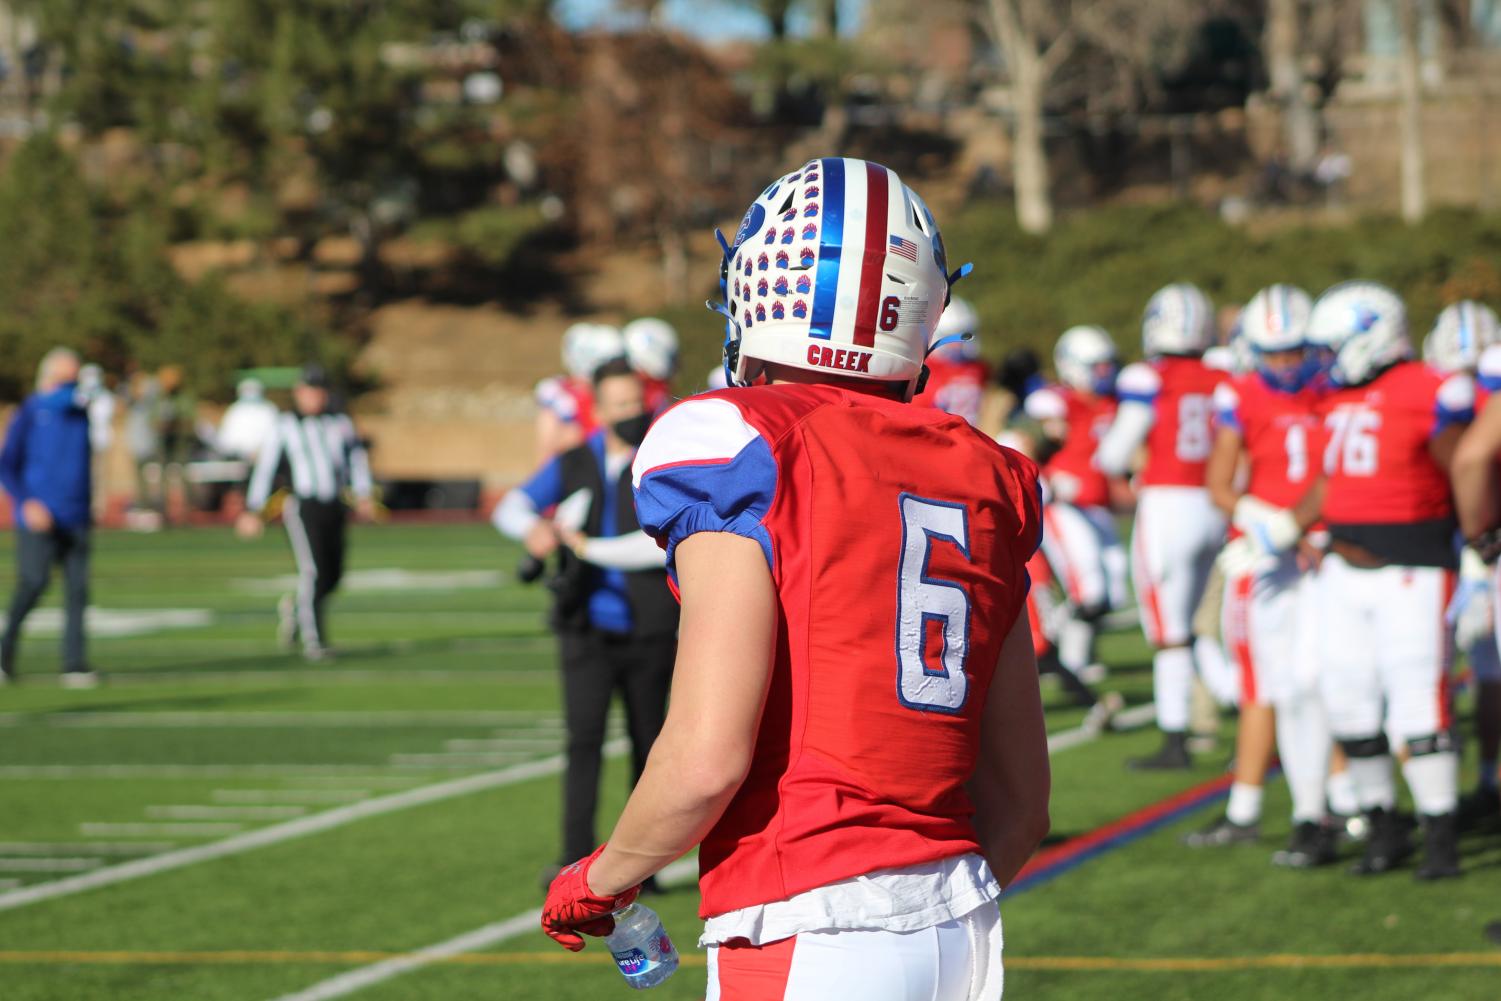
(1365, 325)
(1085, 359)
(652, 347)
(1461, 332)
(1276, 319)
(959, 317)
(1179, 320)
(587, 346)
(837, 267)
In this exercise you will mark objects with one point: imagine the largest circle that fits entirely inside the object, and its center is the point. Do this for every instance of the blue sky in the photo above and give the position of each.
(713, 20)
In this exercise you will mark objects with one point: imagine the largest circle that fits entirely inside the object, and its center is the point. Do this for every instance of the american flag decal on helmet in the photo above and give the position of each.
(902, 247)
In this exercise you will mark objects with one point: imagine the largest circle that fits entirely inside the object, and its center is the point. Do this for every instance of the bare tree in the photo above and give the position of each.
(1410, 131)
(1282, 49)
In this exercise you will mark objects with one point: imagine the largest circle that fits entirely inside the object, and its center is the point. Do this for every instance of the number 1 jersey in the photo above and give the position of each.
(897, 538)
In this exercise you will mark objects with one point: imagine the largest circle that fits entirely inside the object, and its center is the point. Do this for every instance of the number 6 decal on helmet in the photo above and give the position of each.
(921, 600)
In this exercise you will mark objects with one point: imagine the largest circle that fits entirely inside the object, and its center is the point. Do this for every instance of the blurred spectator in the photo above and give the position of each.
(1331, 172)
(615, 618)
(101, 430)
(143, 440)
(248, 423)
(176, 432)
(44, 466)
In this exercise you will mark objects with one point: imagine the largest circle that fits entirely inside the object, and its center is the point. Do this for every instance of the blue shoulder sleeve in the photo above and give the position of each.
(702, 468)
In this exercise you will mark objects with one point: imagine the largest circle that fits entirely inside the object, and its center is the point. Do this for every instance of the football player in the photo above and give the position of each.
(1265, 424)
(651, 346)
(1390, 426)
(855, 733)
(957, 375)
(1166, 403)
(1080, 540)
(1460, 330)
(565, 403)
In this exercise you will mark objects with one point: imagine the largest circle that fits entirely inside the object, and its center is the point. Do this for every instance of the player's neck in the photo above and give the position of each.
(786, 374)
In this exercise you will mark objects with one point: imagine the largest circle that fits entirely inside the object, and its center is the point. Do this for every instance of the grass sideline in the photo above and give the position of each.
(439, 683)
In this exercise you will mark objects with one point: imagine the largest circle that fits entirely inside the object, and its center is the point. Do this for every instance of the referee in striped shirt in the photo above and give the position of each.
(319, 455)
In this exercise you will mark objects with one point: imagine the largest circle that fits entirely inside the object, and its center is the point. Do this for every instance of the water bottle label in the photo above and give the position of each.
(631, 961)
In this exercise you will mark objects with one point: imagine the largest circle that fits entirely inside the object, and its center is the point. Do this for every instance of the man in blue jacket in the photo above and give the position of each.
(44, 466)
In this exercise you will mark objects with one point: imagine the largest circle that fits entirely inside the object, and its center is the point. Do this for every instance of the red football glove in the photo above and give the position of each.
(571, 908)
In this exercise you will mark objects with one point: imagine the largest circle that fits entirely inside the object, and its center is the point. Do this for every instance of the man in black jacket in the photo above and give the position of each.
(615, 618)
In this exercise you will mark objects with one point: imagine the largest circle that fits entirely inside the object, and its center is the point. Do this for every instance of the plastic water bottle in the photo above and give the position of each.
(641, 948)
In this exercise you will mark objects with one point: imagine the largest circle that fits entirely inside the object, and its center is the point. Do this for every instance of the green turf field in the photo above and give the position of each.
(405, 796)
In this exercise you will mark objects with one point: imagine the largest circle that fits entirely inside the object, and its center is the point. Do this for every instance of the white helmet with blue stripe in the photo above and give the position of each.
(1276, 319)
(1085, 359)
(1459, 335)
(1178, 320)
(587, 346)
(1365, 325)
(959, 318)
(652, 347)
(839, 268)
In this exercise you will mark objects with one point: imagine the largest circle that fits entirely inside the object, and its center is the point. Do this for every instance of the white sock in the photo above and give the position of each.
(1075, 643)
(1244, 807)
(1172, 674)
(1434, 781)
(1340, 789)
(1373, 782)
(1488, 778)
(1215, 669)
(1303, 744)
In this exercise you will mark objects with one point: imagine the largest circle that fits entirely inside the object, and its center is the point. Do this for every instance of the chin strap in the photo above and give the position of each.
(962, 271)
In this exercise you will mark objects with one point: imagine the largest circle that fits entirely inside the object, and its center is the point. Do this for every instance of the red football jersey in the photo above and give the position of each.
(1278, 431)
(1181, 392)
(1374, 442)
(897, 537)
(1088, 418)
(656, 393)
(955, 387)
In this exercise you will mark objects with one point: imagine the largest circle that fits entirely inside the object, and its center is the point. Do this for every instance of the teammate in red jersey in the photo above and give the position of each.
(1080, 540)
(1265, 425)
(855, 734)
(1390, 427)
(565, 403)
(1166, 403)
(957, 375)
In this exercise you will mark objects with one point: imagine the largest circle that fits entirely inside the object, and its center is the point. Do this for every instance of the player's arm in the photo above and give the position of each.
(1473, 472)
(1012, 780)
(1224, 462)
(725, 649)
(1454, 410)
(1137, 387)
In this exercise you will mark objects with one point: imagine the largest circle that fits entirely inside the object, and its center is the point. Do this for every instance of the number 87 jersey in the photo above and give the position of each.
(897, 539)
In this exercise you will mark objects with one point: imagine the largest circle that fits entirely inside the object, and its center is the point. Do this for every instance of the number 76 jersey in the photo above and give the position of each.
(897, 539)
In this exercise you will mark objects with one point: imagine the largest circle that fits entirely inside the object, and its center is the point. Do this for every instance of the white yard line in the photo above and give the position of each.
(292, 829)
(505, 744)
(458, 760)
(195, 811)
(288, 795)
(84, 847)
(324, 677)
(108, 829)
(34, 864)
(526, 922)
(683, 870)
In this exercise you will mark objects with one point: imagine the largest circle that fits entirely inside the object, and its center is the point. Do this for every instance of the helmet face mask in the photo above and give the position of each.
(836, 268)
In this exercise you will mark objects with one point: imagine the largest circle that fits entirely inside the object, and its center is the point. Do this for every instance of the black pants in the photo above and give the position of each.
(595, 664)
(316, 530)
(36, 552)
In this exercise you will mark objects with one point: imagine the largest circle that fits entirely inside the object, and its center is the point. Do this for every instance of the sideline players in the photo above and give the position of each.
(1165, 403)
(864, 762)
(651, 346)
(565, 403)
(1266, 423)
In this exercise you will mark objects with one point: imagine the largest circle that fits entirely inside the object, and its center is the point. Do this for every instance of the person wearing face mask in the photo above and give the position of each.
(615, 619)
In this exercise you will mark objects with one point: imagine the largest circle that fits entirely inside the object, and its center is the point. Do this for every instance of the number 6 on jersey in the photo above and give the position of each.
(922, 599)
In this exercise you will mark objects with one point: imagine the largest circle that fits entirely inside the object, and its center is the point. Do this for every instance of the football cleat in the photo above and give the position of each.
(1387, 846)
(1440, 848)
(1172, 757)
(1478, 809)
(1222, 833)
(1311, 845)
